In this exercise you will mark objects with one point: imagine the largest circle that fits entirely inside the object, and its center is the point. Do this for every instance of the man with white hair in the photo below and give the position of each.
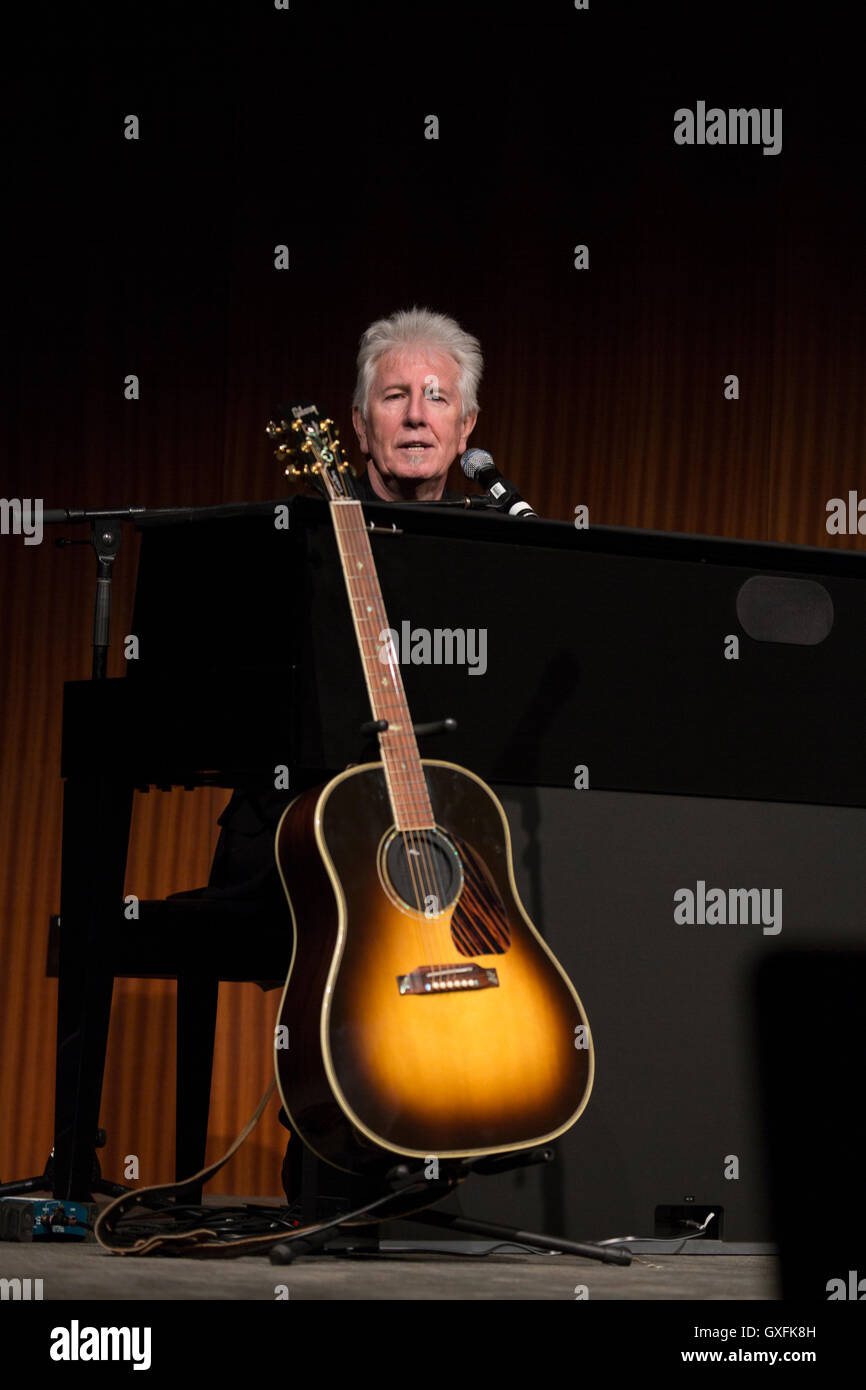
(414, 407)
(415, 403)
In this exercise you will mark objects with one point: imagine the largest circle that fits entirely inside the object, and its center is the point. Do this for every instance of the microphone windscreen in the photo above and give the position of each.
(474, 460)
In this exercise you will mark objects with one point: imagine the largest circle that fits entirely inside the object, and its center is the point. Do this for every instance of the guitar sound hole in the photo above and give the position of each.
(423, 870)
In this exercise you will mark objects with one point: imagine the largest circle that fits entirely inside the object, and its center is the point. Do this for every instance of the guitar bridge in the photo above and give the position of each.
(441, 979)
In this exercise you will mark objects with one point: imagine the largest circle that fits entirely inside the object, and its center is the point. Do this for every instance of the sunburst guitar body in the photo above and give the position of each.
(423, 1015)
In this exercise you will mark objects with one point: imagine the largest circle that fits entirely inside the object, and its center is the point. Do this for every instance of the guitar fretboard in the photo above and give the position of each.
(407, 788)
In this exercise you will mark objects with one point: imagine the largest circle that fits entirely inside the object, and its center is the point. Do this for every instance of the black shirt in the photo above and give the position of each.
(366, 493)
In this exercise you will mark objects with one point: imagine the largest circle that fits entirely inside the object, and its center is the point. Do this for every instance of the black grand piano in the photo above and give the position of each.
(604, 648)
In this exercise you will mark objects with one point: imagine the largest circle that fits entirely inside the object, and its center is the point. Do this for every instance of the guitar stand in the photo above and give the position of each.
(439, 726)
(403, 1181)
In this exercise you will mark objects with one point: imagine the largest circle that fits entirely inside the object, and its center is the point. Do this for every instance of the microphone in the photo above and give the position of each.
(478, 465)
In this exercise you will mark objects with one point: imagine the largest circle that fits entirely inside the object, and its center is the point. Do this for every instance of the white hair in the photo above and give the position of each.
(410, 328)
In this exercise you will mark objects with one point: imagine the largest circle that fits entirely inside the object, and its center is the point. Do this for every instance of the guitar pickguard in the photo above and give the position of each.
(479, 922)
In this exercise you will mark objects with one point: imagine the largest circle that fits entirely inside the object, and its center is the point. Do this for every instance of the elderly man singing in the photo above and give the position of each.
(414, 407)
(415, 403)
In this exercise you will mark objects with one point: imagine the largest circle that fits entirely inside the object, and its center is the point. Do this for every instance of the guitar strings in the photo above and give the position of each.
(416, 846)
(418, 862)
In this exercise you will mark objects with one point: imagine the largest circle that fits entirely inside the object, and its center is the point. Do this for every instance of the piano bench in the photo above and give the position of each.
(198, 942)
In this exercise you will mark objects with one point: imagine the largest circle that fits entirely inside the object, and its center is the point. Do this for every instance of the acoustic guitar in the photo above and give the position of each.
(424, 1015)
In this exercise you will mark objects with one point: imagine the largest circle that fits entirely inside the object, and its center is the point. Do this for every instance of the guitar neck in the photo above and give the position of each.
(407, 787)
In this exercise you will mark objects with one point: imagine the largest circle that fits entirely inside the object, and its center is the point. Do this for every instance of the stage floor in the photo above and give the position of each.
(87, 1272)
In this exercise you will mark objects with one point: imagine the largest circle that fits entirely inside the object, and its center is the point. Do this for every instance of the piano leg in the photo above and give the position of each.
(197, 998)
(97, 814)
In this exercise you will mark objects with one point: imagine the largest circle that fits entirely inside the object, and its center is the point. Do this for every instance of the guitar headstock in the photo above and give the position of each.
(310, 448)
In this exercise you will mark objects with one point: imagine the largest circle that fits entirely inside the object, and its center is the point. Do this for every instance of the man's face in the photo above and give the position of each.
(414, 430)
